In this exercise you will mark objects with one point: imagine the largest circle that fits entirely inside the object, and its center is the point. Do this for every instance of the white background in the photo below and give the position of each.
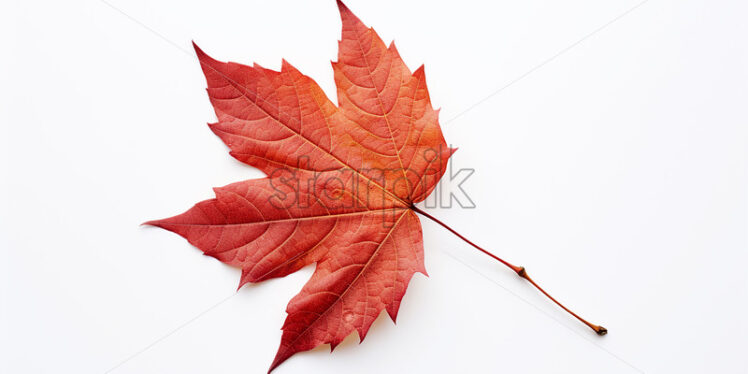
(615, 171)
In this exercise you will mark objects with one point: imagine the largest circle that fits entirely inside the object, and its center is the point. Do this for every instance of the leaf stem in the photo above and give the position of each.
(517, 269)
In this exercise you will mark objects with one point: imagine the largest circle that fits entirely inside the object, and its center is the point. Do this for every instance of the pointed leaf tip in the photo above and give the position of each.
(346, 15)
(342, 7)
(278, 360)
(154, 223)
(197, 49)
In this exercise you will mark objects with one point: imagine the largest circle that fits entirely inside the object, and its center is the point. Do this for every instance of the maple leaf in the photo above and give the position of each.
(340, 186)
(340, 189)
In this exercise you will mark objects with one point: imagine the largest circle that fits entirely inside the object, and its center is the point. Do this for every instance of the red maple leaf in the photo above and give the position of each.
(341, 185)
